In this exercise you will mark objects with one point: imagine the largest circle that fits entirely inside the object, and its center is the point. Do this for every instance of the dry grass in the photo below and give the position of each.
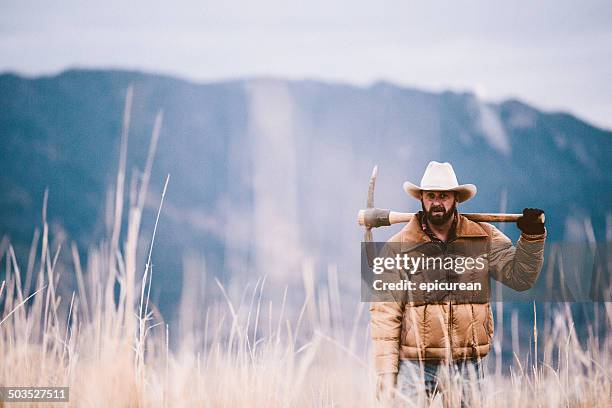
(106, 342)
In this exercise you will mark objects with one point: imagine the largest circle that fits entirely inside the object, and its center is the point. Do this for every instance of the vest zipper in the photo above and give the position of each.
(450, 302)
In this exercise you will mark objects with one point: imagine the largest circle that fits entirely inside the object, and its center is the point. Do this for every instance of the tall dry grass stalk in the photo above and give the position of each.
(106, 341)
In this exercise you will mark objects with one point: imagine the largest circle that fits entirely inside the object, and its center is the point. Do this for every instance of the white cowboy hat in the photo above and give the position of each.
(440, 177)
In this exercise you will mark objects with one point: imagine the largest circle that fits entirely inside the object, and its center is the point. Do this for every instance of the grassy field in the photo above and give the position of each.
(242, 356)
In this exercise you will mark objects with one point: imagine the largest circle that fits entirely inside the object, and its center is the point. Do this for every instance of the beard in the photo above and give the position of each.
(441, 216)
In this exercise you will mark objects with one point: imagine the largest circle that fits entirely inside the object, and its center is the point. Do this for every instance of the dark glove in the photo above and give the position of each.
(529, 223)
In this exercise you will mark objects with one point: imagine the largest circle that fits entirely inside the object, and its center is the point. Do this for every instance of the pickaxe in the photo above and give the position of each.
(375, 217)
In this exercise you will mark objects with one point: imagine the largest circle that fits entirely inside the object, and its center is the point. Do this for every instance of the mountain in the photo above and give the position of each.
(266, 173)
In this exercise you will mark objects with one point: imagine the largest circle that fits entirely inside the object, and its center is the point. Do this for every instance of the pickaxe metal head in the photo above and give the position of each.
(370, 202)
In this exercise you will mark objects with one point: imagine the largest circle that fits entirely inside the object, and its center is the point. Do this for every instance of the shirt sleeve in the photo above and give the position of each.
(516, 267)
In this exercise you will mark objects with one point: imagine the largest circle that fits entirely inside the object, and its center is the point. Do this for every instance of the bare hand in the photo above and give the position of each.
(385, 386)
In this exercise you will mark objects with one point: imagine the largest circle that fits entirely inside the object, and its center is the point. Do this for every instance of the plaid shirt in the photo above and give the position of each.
(452, 233)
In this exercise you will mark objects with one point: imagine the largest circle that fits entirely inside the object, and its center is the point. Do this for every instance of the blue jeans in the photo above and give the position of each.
(419, 381)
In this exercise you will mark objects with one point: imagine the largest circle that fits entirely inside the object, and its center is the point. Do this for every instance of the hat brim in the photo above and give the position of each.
(464, 191)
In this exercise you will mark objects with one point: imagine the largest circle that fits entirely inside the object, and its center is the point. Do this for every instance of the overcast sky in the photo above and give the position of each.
(554, 54)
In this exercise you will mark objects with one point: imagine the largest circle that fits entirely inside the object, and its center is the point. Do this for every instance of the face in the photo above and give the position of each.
(438, 206)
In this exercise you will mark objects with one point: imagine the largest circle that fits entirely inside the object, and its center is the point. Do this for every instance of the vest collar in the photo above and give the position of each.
(412, 233)
(469, 229)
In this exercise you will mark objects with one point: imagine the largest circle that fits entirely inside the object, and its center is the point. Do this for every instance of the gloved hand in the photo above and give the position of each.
(385, 386)
(529, 223)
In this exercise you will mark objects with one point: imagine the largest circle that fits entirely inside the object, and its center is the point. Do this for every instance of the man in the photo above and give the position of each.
(419, 343)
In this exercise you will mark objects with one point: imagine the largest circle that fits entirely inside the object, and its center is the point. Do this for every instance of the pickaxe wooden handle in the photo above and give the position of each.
(376, 217)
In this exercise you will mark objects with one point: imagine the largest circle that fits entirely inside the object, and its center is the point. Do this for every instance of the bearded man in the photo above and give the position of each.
(417, 344)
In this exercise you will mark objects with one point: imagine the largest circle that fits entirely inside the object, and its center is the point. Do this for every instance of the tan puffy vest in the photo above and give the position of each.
(437, 329)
